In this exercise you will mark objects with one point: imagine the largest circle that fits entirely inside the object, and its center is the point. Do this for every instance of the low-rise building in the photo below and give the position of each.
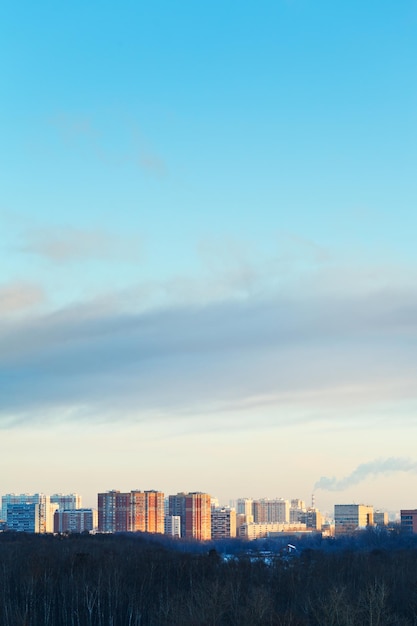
(258, 530)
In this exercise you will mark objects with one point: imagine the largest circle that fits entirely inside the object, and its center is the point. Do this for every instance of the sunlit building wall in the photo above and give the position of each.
(198, 516)
(259, 530)
(349, 518)
(133, 511)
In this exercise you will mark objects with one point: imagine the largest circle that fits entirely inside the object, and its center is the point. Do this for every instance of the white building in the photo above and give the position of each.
(172, 525)
(68, 501)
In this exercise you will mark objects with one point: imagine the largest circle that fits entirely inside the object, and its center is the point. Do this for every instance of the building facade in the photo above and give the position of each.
(245, 508)
(176, 507)
(75, 521)
(194, 510)
(106, 505)
(380, 518)
(198, 516)
(276, 511)
(44, 511)
(23, 518)
(67, 501)
(258, 530)
(349, 518)
(134, 511)
(223, 523)
(408, 520)
(311, 518)
(172, 526)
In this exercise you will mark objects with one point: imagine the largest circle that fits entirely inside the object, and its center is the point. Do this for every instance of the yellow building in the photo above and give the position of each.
(349, 518)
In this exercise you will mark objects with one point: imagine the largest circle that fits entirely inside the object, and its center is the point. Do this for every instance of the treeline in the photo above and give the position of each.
(134, 580)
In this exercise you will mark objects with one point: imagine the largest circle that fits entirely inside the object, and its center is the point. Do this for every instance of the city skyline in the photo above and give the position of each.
(196, 516)
(119, 498)
(207, 254)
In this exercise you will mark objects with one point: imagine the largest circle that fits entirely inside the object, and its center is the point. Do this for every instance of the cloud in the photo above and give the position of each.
(76, 244)
(367, 470)
(320, 354)
(136, 149)
(19, 296)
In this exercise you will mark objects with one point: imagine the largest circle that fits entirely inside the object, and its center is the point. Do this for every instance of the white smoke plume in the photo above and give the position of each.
(363, 471)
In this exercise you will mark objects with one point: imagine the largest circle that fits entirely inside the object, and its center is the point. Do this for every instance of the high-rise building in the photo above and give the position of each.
(123, 512)
(349, 518)
(297, 509)
(154, 511)
(276, 511)
(137, 521)
(13, 498)
(75, 520)
(23, 517)
(131, 512)
(176, 507)
(245, 507)
(172, 525)
(194, 509)
(198, 516)
(19, 509)
(223, 523)
(67, 501)
(107, 511)
(296, 503)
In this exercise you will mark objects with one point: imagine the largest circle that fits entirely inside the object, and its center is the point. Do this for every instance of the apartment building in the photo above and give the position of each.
(131, 512)
(75, 520)
(223, 523)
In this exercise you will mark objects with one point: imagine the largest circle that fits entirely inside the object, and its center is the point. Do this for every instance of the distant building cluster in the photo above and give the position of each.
(192, 515)
(39, 513)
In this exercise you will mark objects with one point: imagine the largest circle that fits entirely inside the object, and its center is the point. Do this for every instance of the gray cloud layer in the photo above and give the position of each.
(236, 353)
(366, 470)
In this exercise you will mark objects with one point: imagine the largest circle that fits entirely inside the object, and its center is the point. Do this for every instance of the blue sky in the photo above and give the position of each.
(207, 219)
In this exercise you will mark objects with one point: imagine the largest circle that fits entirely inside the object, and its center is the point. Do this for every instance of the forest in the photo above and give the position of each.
(138, 580)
